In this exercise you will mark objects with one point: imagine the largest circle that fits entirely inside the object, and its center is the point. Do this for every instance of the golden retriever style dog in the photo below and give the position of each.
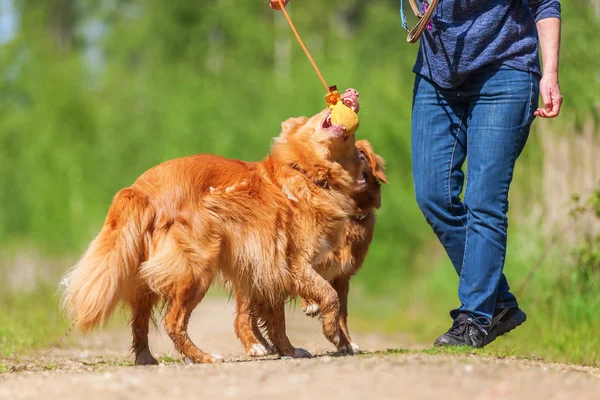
(338, 266)
(262, 226)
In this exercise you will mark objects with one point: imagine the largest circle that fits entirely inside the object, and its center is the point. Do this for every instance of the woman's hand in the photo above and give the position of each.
(551, 96)
(275, 4)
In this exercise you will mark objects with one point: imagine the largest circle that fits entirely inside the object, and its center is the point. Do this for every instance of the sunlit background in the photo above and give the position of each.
(94, 92)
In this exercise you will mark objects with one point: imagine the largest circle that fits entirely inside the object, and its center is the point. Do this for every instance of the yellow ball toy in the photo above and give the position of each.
(342, 114)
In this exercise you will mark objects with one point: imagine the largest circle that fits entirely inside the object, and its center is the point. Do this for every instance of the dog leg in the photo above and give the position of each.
(274, 317)
(342, 287)
(246, 329)
(141, 309)
(181, 304)
(310, 285)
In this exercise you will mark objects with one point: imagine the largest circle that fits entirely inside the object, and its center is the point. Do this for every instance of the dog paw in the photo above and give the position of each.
(258, 350)
(145, 358)
(347, 349)
(355, 347)
(204, 359)
(301, 353)
(312, 310)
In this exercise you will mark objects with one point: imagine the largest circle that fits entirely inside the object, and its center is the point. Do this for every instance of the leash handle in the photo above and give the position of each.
(424, 19)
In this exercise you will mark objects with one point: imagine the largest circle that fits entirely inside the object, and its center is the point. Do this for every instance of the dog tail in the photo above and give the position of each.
(94, 286)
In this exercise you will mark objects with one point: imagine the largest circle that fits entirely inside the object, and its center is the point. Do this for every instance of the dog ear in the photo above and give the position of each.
(291, 125)
(379, 168)
(376, 162)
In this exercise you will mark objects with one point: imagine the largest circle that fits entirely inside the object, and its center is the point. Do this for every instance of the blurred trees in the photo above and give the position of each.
(94, 92)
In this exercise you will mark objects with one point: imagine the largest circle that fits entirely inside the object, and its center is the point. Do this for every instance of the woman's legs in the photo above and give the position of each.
(488, 119)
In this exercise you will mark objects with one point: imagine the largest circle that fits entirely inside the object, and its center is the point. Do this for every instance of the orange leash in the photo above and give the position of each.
(332, 94)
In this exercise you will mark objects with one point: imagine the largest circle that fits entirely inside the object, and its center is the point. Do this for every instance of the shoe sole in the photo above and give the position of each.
(514, 323)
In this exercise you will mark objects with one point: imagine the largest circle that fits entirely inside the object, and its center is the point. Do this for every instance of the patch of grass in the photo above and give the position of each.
(459, 351)
(434, 351)
(440, 351)
(167, 359)
(452, 350)
(562, 330)
(109, 363)
(30, 321)
(125, 363)
(397, 351)
(50, 367)
(4, 368)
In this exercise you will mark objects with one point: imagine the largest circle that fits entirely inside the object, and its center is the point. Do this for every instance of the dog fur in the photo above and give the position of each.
(262, 226)
(338, 265)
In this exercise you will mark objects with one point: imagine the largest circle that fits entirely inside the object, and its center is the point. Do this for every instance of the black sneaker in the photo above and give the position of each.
(504, 321)
(465, 331)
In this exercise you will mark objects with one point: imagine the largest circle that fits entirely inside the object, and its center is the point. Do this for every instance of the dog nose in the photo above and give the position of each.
(351, 92)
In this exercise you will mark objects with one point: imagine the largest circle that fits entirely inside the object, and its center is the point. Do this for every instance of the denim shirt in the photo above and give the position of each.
(467, 35)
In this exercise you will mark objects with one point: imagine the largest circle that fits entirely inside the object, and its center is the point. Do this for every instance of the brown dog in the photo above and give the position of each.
(261, 225)
(338, 265)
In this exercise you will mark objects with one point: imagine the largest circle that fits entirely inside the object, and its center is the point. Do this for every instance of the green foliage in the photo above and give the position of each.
(585, 276)
(594, 203)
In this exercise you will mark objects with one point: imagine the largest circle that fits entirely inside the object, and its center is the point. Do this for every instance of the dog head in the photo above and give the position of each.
(318, 137)
(372, 174)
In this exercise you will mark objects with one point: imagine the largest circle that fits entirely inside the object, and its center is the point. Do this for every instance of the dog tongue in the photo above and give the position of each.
(344, 116)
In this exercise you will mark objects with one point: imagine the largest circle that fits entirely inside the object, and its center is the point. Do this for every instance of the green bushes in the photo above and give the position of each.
(585, 276)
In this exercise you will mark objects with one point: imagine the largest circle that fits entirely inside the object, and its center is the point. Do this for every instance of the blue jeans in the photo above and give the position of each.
(485, 121)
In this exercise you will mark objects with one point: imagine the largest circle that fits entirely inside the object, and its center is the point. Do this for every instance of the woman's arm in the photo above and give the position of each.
(547, 18)
(549, 36)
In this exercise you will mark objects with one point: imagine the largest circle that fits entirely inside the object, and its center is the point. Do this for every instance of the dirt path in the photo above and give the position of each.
(94, 370)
